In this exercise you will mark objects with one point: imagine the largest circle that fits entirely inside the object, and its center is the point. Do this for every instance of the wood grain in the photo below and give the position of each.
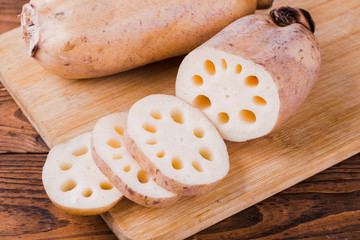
(313, 209)
(17, 134)
(325, 206)
(20, 188)
(25, 210)
(329, 204)
(9, 10)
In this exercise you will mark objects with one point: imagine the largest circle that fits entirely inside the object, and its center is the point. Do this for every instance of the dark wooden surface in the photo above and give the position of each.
(326, 206)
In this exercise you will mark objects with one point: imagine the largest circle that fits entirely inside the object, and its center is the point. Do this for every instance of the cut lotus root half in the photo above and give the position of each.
(176, 145)
(74, 183)
(240, 98)
(112, 158)
(253, 75)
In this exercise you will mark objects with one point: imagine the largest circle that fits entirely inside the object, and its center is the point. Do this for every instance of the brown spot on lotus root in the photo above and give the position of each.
(117, 157)
(69, 46)
(247, 116)
(201, 102)
(209, 67)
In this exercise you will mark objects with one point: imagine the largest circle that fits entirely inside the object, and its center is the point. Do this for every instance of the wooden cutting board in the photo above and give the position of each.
(324, 131)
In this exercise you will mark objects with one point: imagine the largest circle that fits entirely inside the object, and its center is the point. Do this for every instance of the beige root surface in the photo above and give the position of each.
(128, 191)
(291, 55)
(161, 178)
(82, 39)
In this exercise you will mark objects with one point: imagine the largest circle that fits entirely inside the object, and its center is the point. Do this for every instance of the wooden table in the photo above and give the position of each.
(326, 206)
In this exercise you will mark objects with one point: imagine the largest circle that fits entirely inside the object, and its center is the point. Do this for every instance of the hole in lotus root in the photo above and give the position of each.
(65, 166)
(176, 163)
(142, 176)
(197, 80)
(251, 81)
(156, 114)
(223, 117)
(87, 193)
(205, 153)
(117, 157)
(177, 116)
(197, 166)
(238, 69)
(201, 102)
(80, 151)
(223, 64)
(247, 116)
(114, 143)
(149, 127)
(68, 185)
(198, 132)
(119, 130)
(259, 100)
(127, 168)
(106, 186)
(209, 67)
(161, 154)
(151, 142)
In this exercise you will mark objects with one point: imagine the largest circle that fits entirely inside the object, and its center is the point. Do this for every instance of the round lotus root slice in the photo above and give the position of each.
(176, 145)
(112, 158)
(74, 183)
(253, 75)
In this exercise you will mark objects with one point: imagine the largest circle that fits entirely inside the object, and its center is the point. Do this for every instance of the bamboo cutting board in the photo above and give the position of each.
(324, 131)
